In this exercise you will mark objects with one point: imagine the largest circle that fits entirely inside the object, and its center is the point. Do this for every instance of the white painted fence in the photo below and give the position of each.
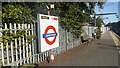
(104, 29)
(19, 51)
(88, 30)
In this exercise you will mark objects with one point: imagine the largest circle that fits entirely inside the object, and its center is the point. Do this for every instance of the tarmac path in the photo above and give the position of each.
(102, 52)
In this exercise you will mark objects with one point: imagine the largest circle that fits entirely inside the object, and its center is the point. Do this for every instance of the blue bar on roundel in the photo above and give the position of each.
(50, 35)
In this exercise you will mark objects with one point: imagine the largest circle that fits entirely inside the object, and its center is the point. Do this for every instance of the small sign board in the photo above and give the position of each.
(48, 36)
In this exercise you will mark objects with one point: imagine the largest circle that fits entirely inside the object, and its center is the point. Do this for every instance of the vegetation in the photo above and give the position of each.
(99, 23)
(15, 13)
(98, 33)
(72, 16)
(0, 16)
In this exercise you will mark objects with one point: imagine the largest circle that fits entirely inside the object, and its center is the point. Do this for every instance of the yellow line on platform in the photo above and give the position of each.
(116, 41)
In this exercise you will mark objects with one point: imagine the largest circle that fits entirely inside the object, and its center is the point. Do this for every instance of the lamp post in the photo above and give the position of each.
(101, 15)
(95, 26)
(49, 7)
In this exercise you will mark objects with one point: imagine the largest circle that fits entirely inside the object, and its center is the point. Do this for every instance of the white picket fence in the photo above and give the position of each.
(19, 51)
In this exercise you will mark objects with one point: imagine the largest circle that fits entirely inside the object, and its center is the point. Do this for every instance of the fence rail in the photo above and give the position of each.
(19, 51)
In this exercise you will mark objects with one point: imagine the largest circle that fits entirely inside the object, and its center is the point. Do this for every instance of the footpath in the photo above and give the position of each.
(102, 52)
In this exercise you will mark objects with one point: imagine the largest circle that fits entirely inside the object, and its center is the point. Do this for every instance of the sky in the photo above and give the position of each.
(109, 7)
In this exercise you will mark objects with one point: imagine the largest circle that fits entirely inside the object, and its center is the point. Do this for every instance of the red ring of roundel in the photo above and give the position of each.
(47, 41)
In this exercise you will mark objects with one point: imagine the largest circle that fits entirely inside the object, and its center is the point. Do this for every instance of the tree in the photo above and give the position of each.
(71, 15)
(99, 22)
(0, 17)
(74, 15)
(16, 13)
(98, 33)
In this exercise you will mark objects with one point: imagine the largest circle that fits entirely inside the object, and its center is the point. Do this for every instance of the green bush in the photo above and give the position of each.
(98, 33)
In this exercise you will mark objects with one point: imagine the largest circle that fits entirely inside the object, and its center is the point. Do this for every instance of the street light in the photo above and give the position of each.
(49, 7)
(101, 15)
(52, 6)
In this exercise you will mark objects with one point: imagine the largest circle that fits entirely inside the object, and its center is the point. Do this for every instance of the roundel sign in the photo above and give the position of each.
(48, 30)
(47, 35)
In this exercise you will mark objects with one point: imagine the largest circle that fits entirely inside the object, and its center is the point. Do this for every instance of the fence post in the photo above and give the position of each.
(30, 52)
(20, 50)
(58, 49)
(73, 41)
(26, 42)
(7, 47)
(2, 48)
(23, 42)
(66, 39)
(12, 54)
(16, 43)
(35, 44)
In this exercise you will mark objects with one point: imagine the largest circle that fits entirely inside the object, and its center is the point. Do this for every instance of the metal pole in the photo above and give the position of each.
(88, 31)
(95, 25)
(48, 11)
(95, 20)
(51, 54)
(66, 38)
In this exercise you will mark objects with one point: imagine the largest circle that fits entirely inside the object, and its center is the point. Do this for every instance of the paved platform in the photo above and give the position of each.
(102, 52)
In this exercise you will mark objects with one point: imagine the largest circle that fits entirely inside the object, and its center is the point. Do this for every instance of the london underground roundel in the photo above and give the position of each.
(47, 35)
(48, 30)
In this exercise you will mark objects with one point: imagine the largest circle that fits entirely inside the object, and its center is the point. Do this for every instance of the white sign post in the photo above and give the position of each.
(48, 30)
